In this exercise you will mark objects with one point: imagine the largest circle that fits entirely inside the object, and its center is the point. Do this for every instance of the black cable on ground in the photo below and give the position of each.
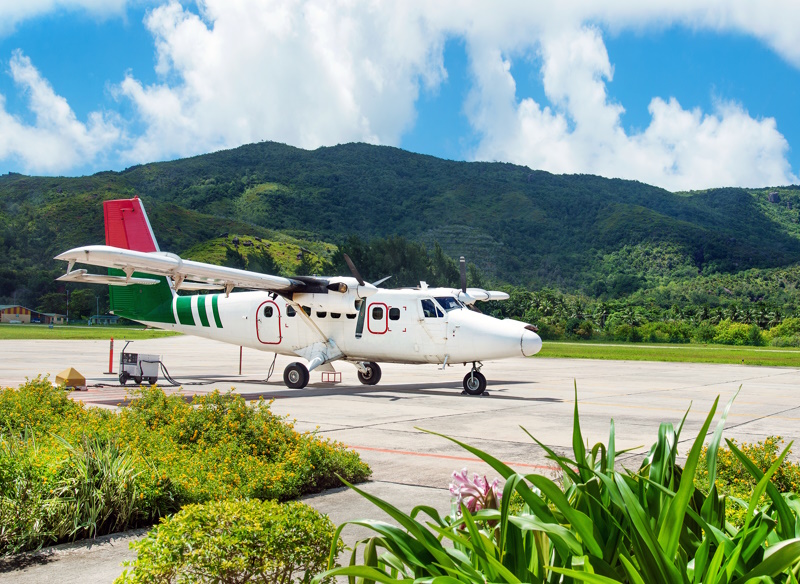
(174, 383)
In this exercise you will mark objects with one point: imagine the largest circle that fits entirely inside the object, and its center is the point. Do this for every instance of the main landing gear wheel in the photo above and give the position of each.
(474, 383)
(296, 376)
(372, 375)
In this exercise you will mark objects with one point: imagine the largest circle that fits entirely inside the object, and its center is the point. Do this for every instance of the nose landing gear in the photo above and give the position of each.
(474, 381)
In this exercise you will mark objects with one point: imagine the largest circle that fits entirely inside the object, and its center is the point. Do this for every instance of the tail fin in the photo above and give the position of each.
(128, 227)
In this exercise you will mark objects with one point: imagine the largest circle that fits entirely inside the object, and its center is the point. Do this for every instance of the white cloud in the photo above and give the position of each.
(57, 141)
(582, 133)
(306, 73)
(12, 12)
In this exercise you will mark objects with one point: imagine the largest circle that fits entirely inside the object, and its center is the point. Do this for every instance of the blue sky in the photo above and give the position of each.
(678, 99)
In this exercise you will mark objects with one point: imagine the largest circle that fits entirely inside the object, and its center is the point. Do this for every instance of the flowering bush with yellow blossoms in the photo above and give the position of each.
(68, 472)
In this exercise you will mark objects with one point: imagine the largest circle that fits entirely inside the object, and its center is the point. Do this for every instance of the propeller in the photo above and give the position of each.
(364, 290)
(465, 297)
(353, 270)
(381, 281)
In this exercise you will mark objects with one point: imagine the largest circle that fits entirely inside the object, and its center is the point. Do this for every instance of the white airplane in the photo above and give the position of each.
(319, 319)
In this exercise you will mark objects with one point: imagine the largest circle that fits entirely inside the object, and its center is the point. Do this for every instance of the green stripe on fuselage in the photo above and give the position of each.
(215, 310)
(185, 310)
(201, 309)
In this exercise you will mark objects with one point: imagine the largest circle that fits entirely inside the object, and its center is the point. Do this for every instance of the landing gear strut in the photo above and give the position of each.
(296, 375)
(371, 374)
(474, 382)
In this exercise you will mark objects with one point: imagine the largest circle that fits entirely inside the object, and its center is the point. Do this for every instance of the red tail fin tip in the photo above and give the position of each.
(127, 225)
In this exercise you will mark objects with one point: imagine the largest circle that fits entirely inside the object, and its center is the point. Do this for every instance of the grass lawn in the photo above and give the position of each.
(689, 353)
(73, 332)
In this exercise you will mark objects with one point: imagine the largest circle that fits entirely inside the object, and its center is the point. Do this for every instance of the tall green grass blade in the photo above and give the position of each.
(630, 570)
(612, 450)
(671, 527)
(530, 523)
(565, 463)
(578, 447)
(361, 572)
(776, 559)
(580, 522)
(652, 559)
(584, 576)
(713, 446)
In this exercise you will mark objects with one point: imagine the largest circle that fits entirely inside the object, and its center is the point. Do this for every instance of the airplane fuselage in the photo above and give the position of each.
(398, 326)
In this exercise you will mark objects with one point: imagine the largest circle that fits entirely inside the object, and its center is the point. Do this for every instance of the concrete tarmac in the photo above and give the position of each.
(385, 423)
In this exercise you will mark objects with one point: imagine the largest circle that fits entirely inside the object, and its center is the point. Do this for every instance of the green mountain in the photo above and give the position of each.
(578, 233)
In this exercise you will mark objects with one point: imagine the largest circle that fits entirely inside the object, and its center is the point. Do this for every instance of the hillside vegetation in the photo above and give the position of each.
(586, 237)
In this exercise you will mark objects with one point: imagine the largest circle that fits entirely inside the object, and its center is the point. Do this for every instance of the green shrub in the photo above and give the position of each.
(68, 472)
(234, 542)
(793, 341)
(790, 327)
(666, 332)
(626, 332)
(704, 333)
(737, 333)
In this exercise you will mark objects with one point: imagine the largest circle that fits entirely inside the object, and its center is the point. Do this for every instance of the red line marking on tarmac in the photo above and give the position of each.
(448, 457)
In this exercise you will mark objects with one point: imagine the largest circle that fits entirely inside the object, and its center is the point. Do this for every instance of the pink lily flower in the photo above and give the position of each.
(477, 493)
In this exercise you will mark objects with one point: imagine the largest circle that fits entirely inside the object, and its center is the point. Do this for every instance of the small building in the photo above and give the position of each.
(103, 319)
(14, 313)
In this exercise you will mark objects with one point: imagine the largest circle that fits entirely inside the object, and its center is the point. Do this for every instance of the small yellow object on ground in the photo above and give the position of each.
(71, 378)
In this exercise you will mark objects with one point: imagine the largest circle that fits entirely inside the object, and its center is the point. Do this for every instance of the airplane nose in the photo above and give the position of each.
(530, 343)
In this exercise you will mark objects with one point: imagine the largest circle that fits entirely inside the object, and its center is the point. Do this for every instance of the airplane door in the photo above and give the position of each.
(378, 318)
(434, 322)
(268, 323)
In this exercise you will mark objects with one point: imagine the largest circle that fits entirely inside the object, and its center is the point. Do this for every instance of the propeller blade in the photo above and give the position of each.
(353, 270)
(462, 263)
(381, 281)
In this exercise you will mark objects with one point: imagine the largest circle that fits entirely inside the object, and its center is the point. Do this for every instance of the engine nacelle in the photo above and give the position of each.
(331, 302)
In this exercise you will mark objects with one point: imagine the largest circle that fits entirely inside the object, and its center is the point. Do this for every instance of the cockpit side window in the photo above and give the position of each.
(449, 303)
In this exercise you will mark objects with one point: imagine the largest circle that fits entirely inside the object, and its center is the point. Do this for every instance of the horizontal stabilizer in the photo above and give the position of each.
(83, 277)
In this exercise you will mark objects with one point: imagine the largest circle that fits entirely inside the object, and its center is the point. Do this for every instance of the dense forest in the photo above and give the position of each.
(587, 245)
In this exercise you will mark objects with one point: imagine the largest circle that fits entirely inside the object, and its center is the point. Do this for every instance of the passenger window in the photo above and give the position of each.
(377, 313)
(429, 308)
(307, 310)
(321, 314)
(394, 314)
(351, 316)
(335, 315)
(268, 311)
(290, 310)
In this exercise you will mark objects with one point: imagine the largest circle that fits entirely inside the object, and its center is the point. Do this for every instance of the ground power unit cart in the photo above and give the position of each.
(138, 367)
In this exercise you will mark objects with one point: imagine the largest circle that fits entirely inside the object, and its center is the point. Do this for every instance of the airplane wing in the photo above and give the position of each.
(186, 274)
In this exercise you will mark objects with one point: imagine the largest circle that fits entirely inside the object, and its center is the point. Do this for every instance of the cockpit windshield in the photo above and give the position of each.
(449, 303)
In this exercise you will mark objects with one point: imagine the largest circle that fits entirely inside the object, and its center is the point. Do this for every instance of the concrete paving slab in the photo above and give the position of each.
(381, 422)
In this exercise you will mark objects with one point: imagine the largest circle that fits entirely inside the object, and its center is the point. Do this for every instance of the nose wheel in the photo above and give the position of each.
(474, 383)
(371, 374)
(296, 376)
